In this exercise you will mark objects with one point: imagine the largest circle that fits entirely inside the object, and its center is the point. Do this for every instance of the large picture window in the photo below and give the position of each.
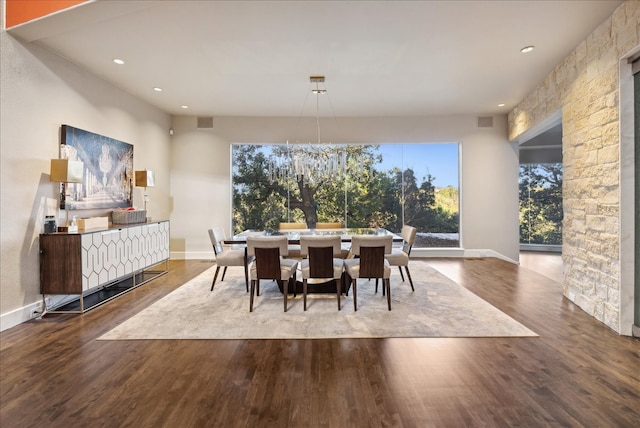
(384, 185)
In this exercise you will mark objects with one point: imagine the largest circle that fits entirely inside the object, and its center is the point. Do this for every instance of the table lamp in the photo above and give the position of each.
(145, 179)
(66, 171)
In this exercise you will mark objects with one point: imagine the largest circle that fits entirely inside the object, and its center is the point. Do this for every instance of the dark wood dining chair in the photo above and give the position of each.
(321, 262)
(269, 262)
(370, 263)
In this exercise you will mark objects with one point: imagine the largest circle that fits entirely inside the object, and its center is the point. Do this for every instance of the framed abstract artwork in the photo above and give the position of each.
(107, 180)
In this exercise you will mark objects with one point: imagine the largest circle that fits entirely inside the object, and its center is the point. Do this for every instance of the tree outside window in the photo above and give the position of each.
(541, 204)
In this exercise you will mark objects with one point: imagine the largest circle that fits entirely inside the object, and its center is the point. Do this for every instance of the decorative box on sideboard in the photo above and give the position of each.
(100, 265)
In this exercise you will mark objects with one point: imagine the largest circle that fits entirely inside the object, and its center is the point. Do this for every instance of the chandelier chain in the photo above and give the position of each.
(310, 163)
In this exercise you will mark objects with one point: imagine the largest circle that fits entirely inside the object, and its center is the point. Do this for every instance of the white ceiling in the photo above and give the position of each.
(380, 58)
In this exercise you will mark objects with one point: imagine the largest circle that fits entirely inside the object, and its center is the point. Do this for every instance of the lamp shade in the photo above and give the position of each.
(145, 179)
(66, 171)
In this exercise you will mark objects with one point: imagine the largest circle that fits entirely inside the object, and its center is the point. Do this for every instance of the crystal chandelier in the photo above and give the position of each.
(312, 162)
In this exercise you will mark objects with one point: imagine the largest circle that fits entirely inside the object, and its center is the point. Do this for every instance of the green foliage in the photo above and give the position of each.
(447, 198)
(541, 204)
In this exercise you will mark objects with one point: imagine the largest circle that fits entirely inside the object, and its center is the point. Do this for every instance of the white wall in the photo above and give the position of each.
(39, 92)
(201, 189)
(200, 172)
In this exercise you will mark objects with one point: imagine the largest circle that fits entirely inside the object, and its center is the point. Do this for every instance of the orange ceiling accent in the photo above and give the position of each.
(21, 11)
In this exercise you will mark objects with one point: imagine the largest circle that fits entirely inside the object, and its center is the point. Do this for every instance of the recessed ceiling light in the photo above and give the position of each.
(118, 61)
(501, 105)
(184, 107)
(526, 49)
(157, 89)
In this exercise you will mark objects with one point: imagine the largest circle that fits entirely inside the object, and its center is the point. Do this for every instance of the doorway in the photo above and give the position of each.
(540, 191)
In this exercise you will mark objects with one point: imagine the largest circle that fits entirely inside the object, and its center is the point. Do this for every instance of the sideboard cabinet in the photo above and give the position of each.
(102, 264)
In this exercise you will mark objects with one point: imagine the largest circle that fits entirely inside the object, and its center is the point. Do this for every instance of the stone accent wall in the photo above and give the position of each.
(585, 86)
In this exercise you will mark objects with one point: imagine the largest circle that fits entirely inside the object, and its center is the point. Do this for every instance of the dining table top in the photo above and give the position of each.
(294, 235)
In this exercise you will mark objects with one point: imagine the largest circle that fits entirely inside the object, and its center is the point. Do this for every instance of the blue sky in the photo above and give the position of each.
(438, 159)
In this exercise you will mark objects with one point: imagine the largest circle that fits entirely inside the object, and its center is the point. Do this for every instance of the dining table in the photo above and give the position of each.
(293, 236)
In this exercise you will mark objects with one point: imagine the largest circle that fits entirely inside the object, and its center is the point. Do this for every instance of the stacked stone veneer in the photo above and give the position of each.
(585, 86)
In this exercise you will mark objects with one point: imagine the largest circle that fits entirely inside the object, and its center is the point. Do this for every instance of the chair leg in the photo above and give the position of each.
(338, 290)
(246, 277)
(285, 289)
(401, 275)
(388, 283)
(409, 276)
(253, 287)
(304, 293)
(355, 294)
(224, 272)
(294, 285)
(246, 269)
(377, 287)
(214, 277)
(346, 280)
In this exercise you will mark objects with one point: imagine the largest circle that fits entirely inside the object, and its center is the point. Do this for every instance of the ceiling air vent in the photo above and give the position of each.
(485, 121)
(205, 122)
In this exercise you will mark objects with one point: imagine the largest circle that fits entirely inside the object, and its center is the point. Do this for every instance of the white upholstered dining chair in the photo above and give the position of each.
(226, 256)
(400, 256)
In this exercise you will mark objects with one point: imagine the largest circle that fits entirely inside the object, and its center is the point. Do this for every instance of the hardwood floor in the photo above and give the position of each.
(545, 263)
(54, 373)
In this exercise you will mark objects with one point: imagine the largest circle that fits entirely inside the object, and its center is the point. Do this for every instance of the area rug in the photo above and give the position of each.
(439, 307)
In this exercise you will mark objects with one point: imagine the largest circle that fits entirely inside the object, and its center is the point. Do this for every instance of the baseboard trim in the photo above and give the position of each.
(18, 316)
